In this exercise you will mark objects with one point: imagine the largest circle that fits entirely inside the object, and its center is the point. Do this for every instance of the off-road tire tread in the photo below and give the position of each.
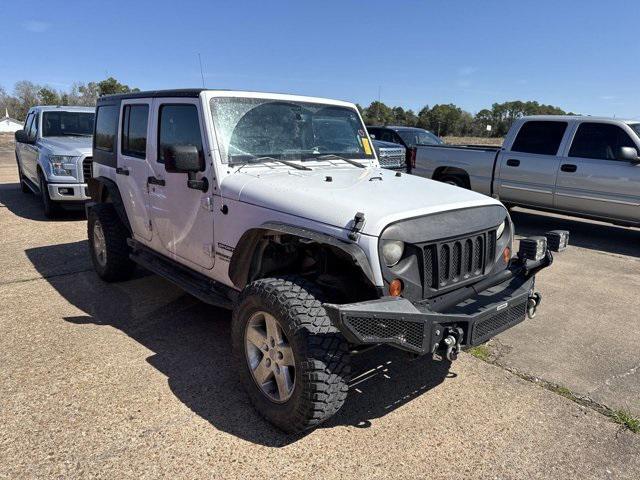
(119, 266)
(325, 368)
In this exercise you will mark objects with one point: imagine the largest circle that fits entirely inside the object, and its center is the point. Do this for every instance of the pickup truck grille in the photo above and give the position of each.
(391, 157)
(87, 168)
(455, 261)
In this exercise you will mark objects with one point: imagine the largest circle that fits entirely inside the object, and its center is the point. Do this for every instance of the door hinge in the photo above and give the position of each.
(208, 249)
(207, 203)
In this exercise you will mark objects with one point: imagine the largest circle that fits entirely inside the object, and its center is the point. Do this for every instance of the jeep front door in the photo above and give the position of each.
(181, 215)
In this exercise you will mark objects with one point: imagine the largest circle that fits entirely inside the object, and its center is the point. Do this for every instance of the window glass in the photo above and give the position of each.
(386, 136)
(26, 122)
(179, 125)
(106, 127)
(599, 140)
(67, 124)
(415, 137)
(541, 137)
(33, 128)
(134, 130)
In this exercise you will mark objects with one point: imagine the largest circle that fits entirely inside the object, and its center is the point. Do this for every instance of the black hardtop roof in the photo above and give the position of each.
(178, 93)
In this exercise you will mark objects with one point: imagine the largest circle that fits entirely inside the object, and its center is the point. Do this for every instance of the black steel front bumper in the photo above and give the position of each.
(420, 327)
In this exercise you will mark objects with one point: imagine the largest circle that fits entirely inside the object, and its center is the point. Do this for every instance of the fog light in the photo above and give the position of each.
(533, 248)
(557, 240)
(65, 191)
(395, 287)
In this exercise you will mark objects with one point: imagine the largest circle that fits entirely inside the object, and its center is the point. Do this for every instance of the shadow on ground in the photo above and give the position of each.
(191, 345)
(583, 233)
(29, 205)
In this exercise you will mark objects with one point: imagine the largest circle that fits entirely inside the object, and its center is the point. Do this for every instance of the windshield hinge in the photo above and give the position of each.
(358, 223)
(207, 203)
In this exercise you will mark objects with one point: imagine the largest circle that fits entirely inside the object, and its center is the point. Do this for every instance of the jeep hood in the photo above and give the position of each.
(74, 146)
(381, 195)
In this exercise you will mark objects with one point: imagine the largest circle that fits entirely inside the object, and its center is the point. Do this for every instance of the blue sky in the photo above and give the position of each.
(580, 55)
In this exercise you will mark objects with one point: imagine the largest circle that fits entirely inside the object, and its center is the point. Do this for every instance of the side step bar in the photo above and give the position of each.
(198, 285)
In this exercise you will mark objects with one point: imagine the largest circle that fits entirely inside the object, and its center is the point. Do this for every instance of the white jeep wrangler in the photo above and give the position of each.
(275, 206)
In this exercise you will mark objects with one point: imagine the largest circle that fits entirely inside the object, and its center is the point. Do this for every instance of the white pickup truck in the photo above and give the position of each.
(578, 165)
(275, 206)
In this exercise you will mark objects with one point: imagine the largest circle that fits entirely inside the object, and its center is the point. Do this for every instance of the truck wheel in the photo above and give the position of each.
(293, 362)
(50, 208)
(108, 244)
(23, 184)
(458, 182)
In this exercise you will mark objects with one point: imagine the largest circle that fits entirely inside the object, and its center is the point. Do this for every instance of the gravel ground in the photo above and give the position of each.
(134, 380)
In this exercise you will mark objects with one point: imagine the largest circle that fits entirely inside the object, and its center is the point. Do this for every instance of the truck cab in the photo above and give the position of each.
(53, 153)
(275, 206)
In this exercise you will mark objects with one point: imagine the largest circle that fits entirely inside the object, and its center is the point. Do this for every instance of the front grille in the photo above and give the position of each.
(487, 328)
(371, 329)
(452, 262)
(87, 168)
(391, 157)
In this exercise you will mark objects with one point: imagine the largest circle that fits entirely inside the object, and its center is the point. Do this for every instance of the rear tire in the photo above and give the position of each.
(23, 185)
(456, 181)
(108, 244)
(318, 369)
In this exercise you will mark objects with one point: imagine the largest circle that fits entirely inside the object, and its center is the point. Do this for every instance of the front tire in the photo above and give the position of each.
(49, 206)
(293, 362)
(108, 244)
(455, 181)
(23, 185)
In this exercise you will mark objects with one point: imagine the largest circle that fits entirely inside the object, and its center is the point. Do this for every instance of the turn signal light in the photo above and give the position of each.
(395, 287)
(506, 255)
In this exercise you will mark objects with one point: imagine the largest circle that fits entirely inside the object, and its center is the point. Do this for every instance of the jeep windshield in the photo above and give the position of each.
(253, 130)
(61, 124)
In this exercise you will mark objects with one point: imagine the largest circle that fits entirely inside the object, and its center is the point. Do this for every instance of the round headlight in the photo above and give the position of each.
(392, 251)
(501, 228)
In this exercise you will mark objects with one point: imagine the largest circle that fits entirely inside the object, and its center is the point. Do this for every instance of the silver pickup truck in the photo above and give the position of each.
(578, 165)
(53, 152)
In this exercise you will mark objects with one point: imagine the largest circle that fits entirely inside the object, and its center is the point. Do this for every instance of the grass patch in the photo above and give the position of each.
(481, 351)
(625, 418)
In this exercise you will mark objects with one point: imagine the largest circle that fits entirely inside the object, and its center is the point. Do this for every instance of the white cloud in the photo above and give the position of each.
(466, 71)
(36, 26)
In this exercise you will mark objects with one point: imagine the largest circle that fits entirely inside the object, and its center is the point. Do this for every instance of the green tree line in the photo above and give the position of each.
(451, 120)
(26, 94)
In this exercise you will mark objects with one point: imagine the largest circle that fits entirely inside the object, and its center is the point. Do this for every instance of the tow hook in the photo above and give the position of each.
(451, 342)
(533, 303)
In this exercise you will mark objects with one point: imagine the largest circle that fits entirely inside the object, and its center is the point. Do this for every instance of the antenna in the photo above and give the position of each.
(201, 72)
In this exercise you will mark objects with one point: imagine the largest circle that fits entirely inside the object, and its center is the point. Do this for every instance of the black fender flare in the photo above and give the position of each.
(96, 187)
(243, 253)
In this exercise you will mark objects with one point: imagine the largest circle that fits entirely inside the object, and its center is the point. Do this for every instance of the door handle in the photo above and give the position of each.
(156, 181)
(122, 171)
(569, 167)
(513, 163)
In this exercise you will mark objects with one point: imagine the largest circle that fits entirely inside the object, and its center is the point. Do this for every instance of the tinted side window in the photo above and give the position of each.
(26, 122)
(542, 137)
(33, 128)
(599, 140)
(134, 130)
(106, 127)
(386, 135)
(179, 125)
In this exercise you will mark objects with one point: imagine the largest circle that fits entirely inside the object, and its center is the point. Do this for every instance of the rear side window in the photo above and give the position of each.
(599, 140)
(134, 130)
(106, 127)
(540, 137)
(179, 125)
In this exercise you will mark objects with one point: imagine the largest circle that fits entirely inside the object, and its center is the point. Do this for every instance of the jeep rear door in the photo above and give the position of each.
(182, 217)
(592, 180)
(528, 167)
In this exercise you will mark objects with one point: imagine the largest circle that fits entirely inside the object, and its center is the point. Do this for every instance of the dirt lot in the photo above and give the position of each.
(134, 380)
(494, 142)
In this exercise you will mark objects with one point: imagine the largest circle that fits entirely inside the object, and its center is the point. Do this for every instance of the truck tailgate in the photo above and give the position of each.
(477, 162)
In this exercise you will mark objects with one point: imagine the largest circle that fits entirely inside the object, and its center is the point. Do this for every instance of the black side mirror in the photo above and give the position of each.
(629, 154)
(183, 159)
(22, 137)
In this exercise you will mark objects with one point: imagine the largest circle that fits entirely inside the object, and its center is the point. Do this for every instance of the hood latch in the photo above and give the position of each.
(358, 223)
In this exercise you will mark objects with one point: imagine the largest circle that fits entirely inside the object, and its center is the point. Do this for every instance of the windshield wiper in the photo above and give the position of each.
(286, 162)
(338, 157)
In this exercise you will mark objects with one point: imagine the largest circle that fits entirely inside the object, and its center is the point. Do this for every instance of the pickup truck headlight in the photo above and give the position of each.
(392, 251)
(63, 165)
